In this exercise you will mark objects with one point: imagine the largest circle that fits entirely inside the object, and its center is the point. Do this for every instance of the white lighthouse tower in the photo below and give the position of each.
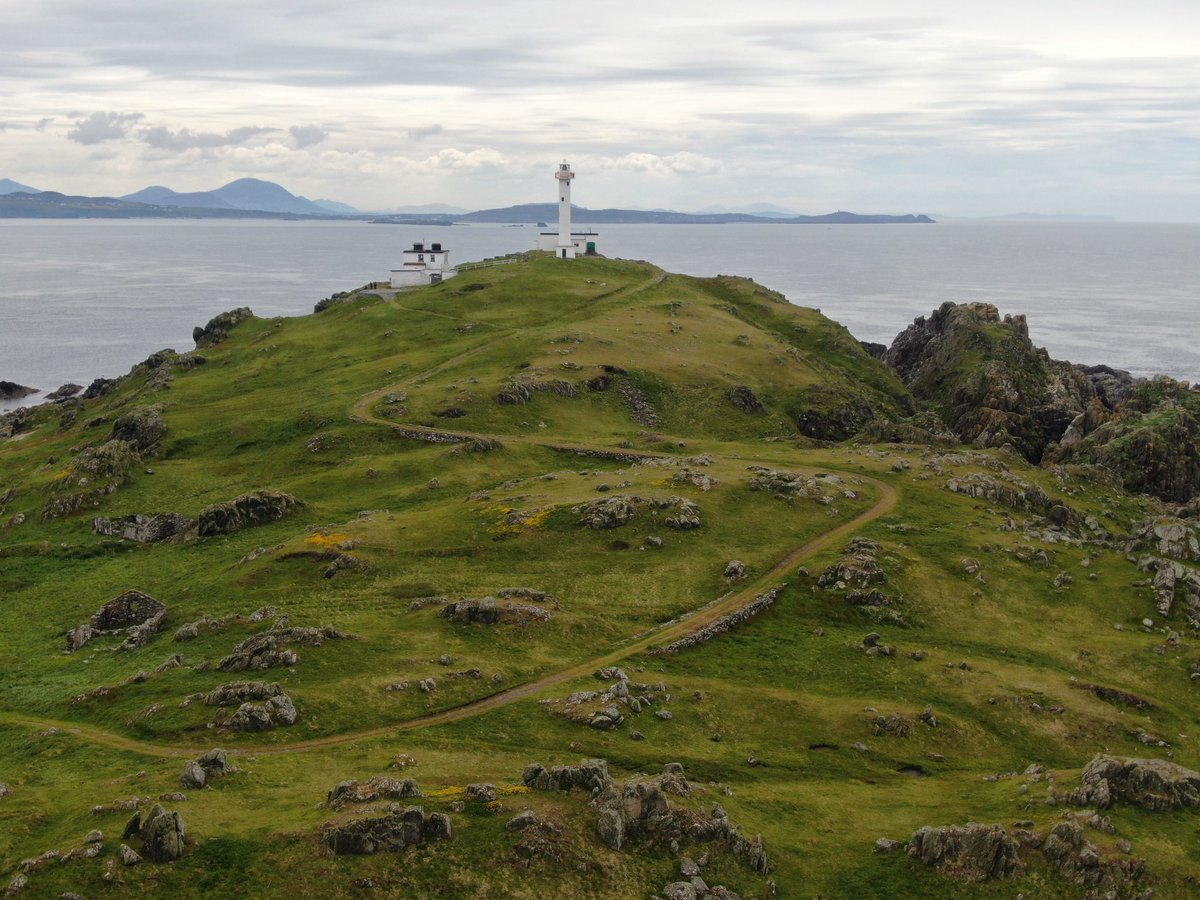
(565, 243)
(565, 249)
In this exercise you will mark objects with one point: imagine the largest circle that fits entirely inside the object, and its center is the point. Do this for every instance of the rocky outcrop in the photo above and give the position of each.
(970, 852)
(275, 712)
(142, 428)
(641, 810)
(92, 475)
(158, 832)
(607, 512)
(376, 788)
(519, 391)
(1150, 439)
(487, 611)
(70, 389)
(268, 648)
(858, 567)
(783, 484)
(1153, 784)
(987, 380)
(143, 529)
(237, 692)
(389, 833)
(10, 390)
(219, 326)
(255, 508)
(1069, 853)
(590, 775)
(198, 772)
(745, 400)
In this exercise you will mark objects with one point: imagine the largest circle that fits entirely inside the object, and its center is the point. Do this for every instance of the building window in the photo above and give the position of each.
(420, 257)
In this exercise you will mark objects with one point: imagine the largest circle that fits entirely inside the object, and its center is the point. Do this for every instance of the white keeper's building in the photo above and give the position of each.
(422, 265)
(565, 243)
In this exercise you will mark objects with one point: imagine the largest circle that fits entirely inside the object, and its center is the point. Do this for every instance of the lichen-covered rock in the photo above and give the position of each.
(376, 788)
(481, 793)
(1068, 852)
(589, 775)
(744, 399)
(238, 692)
(1150, 439)
(987, 380)
(269, 648)
(608, 512)
(92, 475)
(160, 833)
(389, 833)
(970, 852)
(272, 713)
(255, 508)
(783, 484)
(1153, 784)
(142, 428)
(219, 326)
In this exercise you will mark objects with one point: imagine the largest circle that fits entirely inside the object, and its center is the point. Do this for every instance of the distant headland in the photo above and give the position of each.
(252, 198)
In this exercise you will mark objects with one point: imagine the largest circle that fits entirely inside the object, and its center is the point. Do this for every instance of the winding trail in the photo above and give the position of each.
(673, 630)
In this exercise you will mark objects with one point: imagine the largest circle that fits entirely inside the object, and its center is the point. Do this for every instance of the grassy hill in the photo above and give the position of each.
(608, 438)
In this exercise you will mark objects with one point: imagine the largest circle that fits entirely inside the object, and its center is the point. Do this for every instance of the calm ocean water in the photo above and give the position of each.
(81, 299)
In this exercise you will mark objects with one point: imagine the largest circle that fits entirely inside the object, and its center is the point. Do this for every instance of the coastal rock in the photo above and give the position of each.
(10, 390)
(219, 326)
(66, 391)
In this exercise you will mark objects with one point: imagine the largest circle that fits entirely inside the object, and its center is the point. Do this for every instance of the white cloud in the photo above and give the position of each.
(684, 162)
(307, 135)
(102, 126)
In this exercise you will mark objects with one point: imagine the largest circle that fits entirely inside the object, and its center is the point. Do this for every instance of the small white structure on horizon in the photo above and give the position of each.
(423, 266)
(565, 243)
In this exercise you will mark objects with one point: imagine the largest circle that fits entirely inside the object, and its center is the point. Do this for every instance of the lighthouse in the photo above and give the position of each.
(565, 243)
(564, 249)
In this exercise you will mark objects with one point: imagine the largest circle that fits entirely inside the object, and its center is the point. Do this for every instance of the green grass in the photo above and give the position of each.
(272, 408)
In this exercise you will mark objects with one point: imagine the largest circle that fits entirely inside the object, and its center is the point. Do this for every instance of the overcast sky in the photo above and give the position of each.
(959, 108)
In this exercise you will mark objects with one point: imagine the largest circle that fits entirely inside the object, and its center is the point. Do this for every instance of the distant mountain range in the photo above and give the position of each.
(548, 212)
(255, 198)
(8, 186)
(244, 194)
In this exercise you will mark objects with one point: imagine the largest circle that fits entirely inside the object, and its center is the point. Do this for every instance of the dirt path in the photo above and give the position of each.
(664, 634)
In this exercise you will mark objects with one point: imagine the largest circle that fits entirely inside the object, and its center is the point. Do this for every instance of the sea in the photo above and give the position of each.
(81, 299)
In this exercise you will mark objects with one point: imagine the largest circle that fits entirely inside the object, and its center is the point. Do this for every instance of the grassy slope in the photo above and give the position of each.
(772, 688)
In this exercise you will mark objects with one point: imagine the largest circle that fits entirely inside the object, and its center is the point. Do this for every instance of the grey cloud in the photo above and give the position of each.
(417, 134)
(42, 123)
(163, 138)
(102, 126)
(307, 135)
